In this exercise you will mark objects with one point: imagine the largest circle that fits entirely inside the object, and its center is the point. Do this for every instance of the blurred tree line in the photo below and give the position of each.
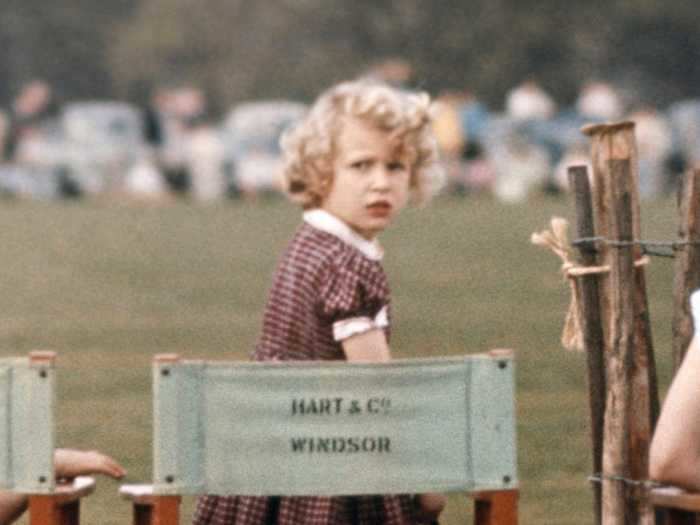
(242, 49)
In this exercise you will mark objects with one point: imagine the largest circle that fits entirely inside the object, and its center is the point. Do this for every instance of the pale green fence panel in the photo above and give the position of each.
(27, 397)
(335, 428)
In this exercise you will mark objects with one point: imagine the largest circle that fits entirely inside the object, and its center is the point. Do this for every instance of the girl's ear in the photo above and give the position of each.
(325, 184)
(323, 189)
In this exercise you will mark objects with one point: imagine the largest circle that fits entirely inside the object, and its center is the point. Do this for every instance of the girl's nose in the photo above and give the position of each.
(380, 178)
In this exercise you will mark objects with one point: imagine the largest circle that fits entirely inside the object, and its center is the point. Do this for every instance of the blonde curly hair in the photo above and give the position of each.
(309, 147)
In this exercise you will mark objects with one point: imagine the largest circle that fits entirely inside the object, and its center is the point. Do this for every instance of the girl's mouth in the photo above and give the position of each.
(379, 209)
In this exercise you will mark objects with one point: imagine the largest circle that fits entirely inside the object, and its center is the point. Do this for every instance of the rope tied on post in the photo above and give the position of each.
(557, 240)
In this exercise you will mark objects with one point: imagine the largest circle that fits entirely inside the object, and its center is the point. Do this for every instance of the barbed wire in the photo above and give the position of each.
(644, 483)
(654, 248)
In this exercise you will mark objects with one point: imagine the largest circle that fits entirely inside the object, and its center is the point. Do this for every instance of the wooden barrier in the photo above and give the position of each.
(622, 320)
(616, 327)
(610, 297)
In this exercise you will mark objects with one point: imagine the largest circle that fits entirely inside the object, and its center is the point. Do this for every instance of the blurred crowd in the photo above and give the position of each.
(171, 148)
(174, 148)
(529, 145)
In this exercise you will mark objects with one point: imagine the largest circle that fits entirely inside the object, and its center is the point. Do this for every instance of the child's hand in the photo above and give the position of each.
(430, 505)
(695, 309)
(69, 463)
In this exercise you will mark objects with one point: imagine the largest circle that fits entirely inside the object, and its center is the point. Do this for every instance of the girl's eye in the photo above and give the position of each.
(396, 166)
(361, 165)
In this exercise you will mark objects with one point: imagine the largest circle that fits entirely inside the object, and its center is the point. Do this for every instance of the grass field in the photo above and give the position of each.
(108, 286)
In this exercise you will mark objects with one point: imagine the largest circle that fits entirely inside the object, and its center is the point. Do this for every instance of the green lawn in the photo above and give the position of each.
(108, 286)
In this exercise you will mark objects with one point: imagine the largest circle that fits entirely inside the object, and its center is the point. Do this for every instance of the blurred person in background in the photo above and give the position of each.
(192, 151)
(33, 116)
(204, 157)
(561, 135)
(477, 172)
(145, 180)
(172, 107)
(153, 117)
(479, 175)
(34, 145)
(528, 101)
(474, 116)
(654, 144)
(522, 167)
(451, 137)
(684, 119)
(534, 116)
(599, 102)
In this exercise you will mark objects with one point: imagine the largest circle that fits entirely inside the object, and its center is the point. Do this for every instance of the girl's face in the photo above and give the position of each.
(370, 178)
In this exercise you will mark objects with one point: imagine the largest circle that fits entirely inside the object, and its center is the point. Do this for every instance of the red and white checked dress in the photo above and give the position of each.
(329, 280)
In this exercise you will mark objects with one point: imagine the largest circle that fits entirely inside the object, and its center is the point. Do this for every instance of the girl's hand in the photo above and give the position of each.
(367, 347)
(69, 463)
(430, 505)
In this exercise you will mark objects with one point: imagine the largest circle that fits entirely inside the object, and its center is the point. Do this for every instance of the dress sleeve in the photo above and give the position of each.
(353, 301)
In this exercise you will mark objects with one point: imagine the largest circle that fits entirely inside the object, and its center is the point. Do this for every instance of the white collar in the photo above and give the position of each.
(324, 221)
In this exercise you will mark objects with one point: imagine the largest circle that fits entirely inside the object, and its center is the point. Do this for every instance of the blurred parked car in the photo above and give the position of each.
(102, 140)
(251, 134)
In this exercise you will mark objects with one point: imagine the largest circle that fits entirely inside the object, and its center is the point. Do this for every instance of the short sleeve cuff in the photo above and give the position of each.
(359, 325)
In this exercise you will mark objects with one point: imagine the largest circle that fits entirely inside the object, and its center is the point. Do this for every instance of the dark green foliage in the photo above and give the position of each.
(240, 49)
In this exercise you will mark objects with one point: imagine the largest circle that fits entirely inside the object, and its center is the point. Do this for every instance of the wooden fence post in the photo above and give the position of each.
(612, 144)
(617, 141)
(618, 508)
(687, 266)
(593, 338)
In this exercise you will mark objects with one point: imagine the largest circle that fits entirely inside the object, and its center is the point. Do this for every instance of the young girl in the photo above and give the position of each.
(352, 164)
